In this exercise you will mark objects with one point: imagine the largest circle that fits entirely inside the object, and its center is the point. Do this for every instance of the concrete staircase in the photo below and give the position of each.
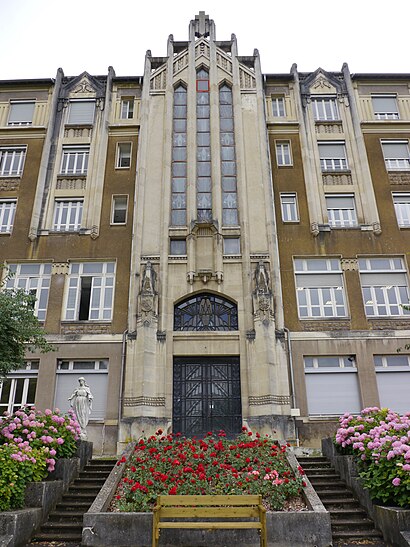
(351, 525)
(65, 523)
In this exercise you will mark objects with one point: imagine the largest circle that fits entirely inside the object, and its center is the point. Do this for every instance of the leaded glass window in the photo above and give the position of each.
(228, 161)
(179, 158)
(206, 312)
(203, 150)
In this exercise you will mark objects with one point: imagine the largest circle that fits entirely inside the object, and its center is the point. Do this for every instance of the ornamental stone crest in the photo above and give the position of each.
(148, 299)
(262, 295)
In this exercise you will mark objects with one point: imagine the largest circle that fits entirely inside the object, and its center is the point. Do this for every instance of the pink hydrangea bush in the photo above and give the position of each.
(30, 444)
(380, 441)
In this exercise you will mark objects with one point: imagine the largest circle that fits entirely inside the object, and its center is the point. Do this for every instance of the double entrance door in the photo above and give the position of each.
(206, 396)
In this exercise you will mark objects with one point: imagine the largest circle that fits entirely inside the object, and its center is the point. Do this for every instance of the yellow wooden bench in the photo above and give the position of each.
(208, 512)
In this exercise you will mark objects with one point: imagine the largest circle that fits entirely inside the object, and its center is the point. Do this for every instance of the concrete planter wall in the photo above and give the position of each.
(393, 522)
(17, 527)
(299, 529)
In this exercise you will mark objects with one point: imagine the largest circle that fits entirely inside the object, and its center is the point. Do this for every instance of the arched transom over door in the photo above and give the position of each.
(205, 312)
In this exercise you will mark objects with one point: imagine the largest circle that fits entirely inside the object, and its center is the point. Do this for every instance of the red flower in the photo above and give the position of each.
(173, 491)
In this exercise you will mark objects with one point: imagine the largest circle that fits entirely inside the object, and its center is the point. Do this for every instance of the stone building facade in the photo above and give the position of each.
(210, 246)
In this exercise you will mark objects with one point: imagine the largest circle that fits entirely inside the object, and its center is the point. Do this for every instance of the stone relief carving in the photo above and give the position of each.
(262, 296)
(349, 264)
(377, 229)
(314, 228)
(83, 87)
(148, 295)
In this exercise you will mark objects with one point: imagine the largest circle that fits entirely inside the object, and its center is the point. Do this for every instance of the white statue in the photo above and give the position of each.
(81, 401)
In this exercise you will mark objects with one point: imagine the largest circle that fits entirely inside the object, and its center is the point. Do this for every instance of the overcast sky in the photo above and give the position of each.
(38, 36)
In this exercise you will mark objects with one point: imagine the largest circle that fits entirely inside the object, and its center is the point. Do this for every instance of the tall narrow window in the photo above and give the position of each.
(7, 212)
(124, 155)
(179, 158)
(228, 161)
(127, 108)
(401, 202)
(278, 107)
(203, 151)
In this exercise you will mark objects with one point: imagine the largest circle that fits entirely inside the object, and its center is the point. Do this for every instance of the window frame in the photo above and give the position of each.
(382, 114)
(81, 155)
(371, 292)
(175, 240)
(278, 106)
(398, 163)
(334, 222)
(12, 171)
(291, 207)
(101, 284)
(225, 250)
(332, 401)
(76, 206)
(331, 164)
(331, 100)
(21, 122)
(127, 107)
(89, 121)
(7, 227)
(35, 283)
(405, 223)
(113, 209)
(29, 375)
(123, 156)
(321, 297)
(281, 155)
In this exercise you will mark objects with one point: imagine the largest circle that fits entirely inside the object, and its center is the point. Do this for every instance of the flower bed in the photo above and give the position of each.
(30, 443)
(171, 464)
(379, 439)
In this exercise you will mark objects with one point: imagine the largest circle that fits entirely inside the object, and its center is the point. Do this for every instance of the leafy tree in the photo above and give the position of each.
(20, 329)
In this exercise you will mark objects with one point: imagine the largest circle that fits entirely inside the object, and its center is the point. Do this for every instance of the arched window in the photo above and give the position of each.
(206, 312)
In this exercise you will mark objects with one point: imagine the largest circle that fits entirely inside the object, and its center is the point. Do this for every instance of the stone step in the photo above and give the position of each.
(85, 488)
(336, 514)
(332, 493)
(64, 505)
(357, 534)
(60, 538)
(94, 474)
(75, 514)
(348, 523)
(340, 503)
(322, 482)
(65, 526)
(321, 472)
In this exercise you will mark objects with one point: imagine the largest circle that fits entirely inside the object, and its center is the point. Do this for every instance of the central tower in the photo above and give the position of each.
(204, 349)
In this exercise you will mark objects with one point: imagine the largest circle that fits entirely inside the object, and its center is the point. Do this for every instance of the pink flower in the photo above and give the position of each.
(60, 440)
(396, 481)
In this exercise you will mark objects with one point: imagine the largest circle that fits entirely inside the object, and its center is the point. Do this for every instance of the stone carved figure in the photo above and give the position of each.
(148, 295)
(262, 294)
(81, 401)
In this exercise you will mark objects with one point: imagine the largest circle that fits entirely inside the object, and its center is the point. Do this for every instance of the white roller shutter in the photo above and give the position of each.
(332, 393)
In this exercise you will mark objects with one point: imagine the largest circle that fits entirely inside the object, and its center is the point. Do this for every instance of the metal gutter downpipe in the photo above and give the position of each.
(292, 379)
(123, 356)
